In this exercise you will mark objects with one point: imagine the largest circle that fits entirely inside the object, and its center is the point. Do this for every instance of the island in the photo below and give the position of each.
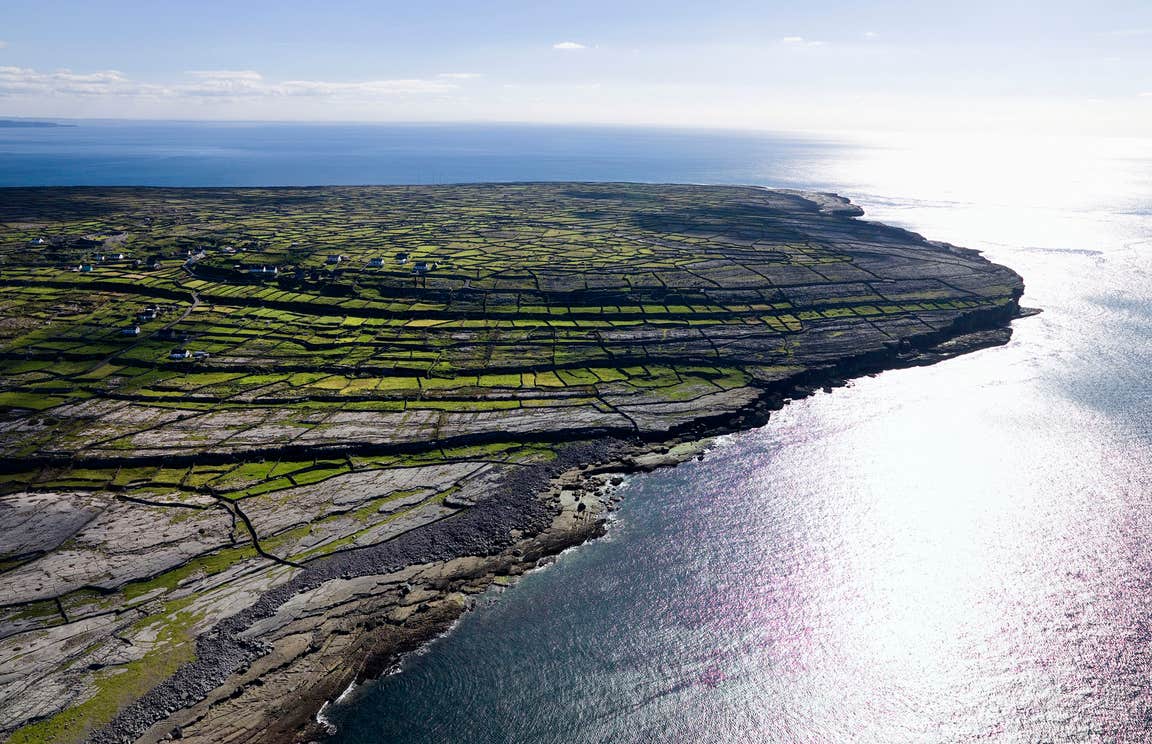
(30, 124)
(257, 443)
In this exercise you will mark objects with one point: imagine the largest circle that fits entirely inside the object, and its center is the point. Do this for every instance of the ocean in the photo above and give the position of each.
(955, 553)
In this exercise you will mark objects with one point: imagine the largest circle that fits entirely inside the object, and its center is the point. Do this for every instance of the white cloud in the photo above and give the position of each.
(250, 75)
(800, 41)
(1146, 94)
(568, 46)
(241, 83)
(366, 88)
(223, 83)
(26, 81)
(871, 35)
(3, 44)
(228, 84)
(460, 75)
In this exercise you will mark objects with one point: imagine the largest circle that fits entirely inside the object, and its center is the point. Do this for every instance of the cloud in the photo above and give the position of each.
(224, 84)
(242, 83)
(460, 75)
(367, 88)
(1146, 94)
(800, 41)
(568, 46)
(871, 35)
(26, 81)
(3, 44)
(250, 75)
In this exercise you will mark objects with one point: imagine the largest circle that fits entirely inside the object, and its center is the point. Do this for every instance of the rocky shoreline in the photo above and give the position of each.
(264, 674)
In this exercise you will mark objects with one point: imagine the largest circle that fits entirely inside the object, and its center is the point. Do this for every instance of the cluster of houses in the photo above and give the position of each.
(377, 262)
(86, 267)
(420, 267)
(148, 314)
(182, 354)
(265, 271)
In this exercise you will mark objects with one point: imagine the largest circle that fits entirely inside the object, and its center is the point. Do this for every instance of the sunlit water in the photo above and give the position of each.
(959, 553)
(948, 554)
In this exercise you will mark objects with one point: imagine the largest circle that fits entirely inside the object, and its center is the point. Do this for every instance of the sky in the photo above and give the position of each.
(981, 65)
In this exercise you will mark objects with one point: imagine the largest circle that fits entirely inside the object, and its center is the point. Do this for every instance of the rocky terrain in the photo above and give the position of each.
(258, 442)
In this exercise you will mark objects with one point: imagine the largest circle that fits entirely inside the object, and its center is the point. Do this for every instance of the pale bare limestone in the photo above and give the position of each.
(125, 541)
(39, 522)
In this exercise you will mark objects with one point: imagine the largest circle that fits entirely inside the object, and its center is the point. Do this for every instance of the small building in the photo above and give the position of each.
(85, 268)
(263, 271)
(37, 243)
(133, 330)
(200, 355)
(154, 264)
(110, 257)
(146, 316)
(179, 354)
(421, 267)
(334, 259)
(402, 257)
(376, 262)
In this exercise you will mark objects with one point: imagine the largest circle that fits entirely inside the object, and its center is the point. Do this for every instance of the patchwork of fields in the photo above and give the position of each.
(202, 391)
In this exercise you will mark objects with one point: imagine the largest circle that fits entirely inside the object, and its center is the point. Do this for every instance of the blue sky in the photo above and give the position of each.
(831, 65)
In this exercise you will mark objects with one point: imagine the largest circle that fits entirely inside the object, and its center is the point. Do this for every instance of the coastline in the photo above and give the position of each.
(396, 610)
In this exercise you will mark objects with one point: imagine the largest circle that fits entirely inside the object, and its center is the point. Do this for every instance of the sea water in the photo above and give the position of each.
(955, 553)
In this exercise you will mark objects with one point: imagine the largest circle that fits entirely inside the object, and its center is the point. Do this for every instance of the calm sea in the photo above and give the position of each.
(959, 553)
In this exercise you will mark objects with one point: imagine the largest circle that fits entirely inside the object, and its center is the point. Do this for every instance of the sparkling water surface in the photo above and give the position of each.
(957, 553)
